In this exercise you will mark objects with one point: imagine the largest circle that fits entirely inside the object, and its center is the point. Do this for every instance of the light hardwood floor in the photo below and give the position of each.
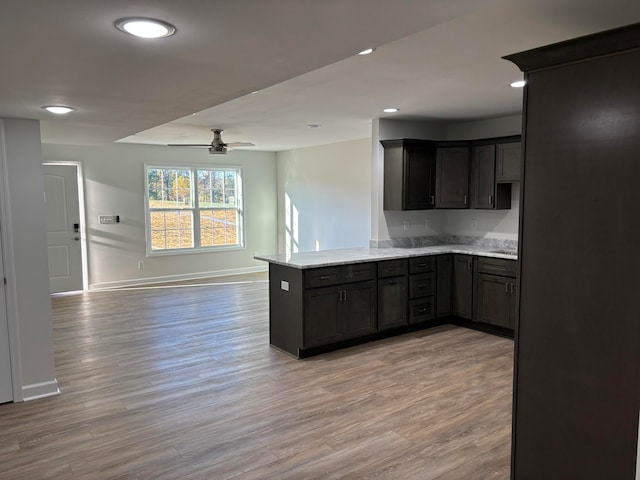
(180, 383)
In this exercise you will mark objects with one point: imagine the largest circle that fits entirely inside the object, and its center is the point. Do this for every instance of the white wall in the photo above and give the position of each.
(329, 188)
(25, 256)
(114, 185)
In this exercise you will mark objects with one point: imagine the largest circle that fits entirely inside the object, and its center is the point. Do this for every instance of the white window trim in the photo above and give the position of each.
(195, 209)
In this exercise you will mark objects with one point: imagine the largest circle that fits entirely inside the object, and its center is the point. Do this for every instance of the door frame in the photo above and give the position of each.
(11, 295)
(81, 208)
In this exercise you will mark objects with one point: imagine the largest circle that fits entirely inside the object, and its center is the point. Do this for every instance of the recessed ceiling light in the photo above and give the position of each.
(145, 27)
(58, 109)
(366, 52)
(391, 110)
(518, 84)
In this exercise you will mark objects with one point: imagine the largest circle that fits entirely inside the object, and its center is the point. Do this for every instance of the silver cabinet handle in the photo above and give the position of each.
(339, 295)
(433, 199)
(345, 295)
(465, 199)
(513, 285)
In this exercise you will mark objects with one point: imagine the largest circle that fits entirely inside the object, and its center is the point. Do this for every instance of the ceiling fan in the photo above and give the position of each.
(217, 146)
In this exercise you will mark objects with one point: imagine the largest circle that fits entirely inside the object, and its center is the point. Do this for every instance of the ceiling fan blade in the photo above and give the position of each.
(189, 145)
(240, 144)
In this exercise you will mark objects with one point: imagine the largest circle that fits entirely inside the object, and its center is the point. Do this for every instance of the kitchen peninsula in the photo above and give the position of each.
(320, 301)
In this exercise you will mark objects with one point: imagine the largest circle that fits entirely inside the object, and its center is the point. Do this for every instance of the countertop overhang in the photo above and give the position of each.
(327, 258)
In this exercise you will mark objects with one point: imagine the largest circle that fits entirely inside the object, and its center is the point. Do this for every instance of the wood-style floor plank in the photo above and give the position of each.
(179, 382)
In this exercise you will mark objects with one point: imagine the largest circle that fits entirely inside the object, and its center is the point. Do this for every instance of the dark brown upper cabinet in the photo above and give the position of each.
(409, 174)
(452, 177)
(485, 192)
(483, 176)
(508, 162)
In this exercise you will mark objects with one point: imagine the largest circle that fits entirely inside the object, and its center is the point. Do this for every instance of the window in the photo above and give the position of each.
(192, 209)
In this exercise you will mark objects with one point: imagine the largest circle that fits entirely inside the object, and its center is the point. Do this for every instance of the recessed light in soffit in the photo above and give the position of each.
(145, 27)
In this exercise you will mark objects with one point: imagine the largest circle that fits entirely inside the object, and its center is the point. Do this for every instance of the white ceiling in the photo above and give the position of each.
(435, 60)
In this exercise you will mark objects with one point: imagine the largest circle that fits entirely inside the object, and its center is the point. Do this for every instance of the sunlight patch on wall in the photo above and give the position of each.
(291, 227)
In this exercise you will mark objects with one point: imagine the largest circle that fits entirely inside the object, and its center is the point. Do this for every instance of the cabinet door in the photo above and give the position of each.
(409, 174)
(483, 178)
(463, 286)
(508, 162)
(495, 300)
(322, 316)
(444, 286)
(359, 309)
(452, 177)
(392, 302)
(419, 177)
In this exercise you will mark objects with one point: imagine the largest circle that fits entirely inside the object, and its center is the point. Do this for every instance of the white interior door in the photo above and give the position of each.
(63, 228)
(6, 387)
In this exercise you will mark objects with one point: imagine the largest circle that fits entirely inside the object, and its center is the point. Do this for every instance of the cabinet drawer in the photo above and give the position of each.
(497, 266)
(392, 268)
(422, 310)
(422, 285)
(358, 272)
(422, 264)
(322, 277)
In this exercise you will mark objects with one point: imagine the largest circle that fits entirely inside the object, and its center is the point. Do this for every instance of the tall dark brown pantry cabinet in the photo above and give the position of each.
(577, 376)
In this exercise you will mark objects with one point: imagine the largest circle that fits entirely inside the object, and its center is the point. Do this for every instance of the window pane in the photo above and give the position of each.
(171, 229)
(217, 188)
(218, 227)
(169, 188)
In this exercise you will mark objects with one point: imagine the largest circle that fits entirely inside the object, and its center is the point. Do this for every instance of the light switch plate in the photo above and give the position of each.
(108, 218)
(284, 285)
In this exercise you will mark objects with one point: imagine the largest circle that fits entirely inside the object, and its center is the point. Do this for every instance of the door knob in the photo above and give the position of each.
(76, 238)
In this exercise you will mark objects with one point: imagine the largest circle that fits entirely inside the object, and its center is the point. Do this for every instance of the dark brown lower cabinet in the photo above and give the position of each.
(339, 312)
(312, 309)
(463, 286)
(495, 300)
(392, 302)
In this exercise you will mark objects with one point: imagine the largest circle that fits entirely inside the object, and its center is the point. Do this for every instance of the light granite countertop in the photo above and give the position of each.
(326, 258)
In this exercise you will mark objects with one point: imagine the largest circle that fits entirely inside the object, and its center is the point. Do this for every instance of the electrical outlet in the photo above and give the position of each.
(140, 265)
(427, 223)
(405, 224)
(474, 224)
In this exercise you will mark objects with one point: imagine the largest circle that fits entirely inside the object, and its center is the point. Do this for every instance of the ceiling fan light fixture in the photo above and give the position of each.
(145, 27)
(366, 51)
(391, 110)
(58, 109)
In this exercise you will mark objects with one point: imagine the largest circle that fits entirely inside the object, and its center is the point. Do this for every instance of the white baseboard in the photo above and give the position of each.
(40, 390)
(176, 278)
